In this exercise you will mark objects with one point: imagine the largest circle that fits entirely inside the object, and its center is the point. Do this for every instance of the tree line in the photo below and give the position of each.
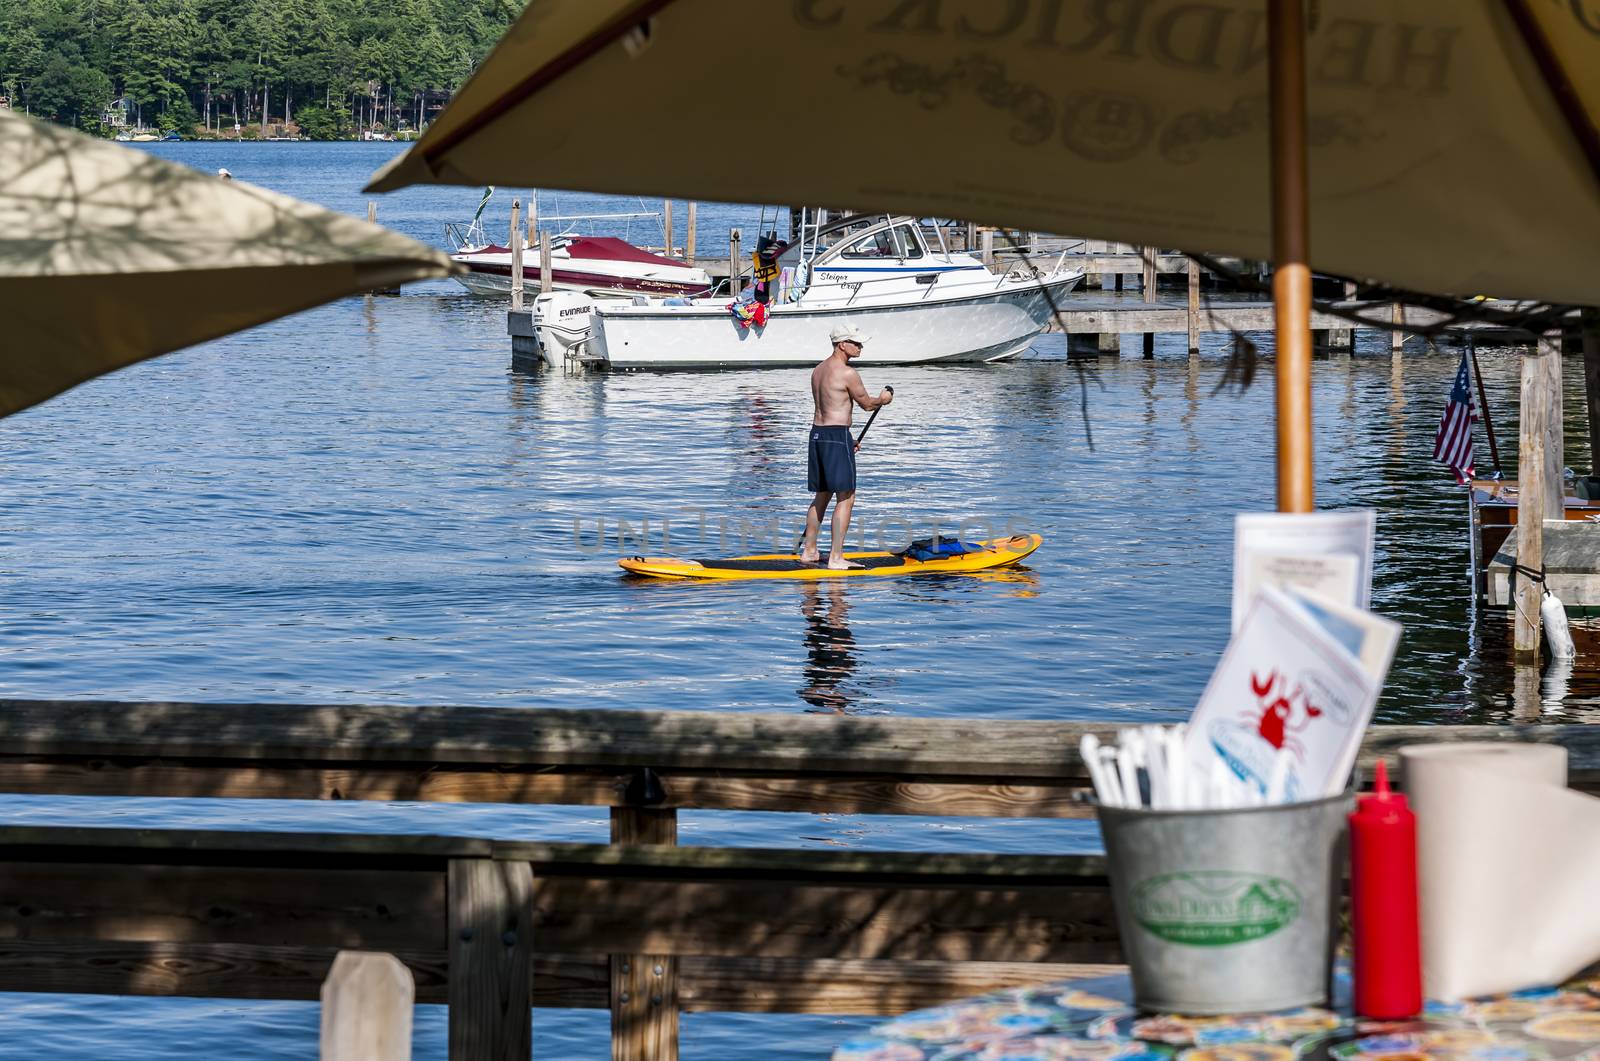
(332, 67)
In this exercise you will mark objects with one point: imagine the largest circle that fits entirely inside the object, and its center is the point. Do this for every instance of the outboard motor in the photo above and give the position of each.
(561, 321)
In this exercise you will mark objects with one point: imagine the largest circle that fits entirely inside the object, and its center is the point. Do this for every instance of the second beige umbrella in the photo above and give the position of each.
(109, 255)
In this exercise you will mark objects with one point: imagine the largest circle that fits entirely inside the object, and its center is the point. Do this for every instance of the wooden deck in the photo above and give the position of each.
(639, 926)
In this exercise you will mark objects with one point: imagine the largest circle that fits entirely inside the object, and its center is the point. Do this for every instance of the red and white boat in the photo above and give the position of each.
(596, 265)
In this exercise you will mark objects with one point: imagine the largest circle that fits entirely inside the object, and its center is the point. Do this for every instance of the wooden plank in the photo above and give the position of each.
(382, 908)
(1045, 750)
(491, 948)
(1068, 923)
(255, 971)
(675, 739)
(787, 762)
(864, 988)
(469, 783)
(644, 987)
(366, 1009)
(706, 984)
(227, 970)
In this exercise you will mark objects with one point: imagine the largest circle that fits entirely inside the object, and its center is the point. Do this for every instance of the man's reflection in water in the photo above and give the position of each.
(830, 647)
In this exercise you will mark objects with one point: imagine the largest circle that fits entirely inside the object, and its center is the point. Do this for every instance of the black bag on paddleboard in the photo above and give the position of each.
(938, 548)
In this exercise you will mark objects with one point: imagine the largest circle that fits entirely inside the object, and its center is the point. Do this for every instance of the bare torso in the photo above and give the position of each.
(831, 383)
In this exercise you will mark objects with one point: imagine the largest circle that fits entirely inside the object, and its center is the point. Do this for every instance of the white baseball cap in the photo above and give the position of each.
(848, 333)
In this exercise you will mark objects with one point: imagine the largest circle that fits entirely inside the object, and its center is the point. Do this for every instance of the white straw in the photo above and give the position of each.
(1279, 778)
(1219, 791)
(1155, 740)
(1089, 748)
(1108, 769)
(1129, 774)
(1177, 771)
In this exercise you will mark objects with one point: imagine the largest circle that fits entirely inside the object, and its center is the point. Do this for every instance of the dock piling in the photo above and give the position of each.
(688, 236)
(988, 248)
(666, 227)
(1397, 317)
(546, 279)
(1147, 276)
(372, 219)
(1539, 459)
(515, 243)
(1194, 306)
(1591, 385)
(734, 237)
(367, 1001)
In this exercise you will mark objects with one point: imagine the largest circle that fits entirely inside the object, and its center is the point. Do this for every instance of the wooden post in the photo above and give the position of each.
(1591, 384)
(971, 236)
(666, 225)
(1194, 306)
(366, 1008)
(988, 248)
(532, 227)
(1291, 250)
(372, 212)
(1147, 258)
(491, 960)
(1397, 334)
(644, 987)
(734, 236)
(688, 237)
(515, 243)
(1344, 338)
(1539, 488)
(547, 279)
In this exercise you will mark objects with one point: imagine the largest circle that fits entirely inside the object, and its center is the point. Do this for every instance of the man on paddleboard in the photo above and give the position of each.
(831, 464)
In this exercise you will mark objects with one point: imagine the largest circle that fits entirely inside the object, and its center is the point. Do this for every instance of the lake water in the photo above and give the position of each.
(363, 504)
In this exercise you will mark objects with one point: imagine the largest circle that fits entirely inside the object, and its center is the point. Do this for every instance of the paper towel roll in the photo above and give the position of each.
(1508, 864)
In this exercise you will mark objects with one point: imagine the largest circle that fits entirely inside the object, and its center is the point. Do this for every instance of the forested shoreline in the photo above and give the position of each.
(327, 69)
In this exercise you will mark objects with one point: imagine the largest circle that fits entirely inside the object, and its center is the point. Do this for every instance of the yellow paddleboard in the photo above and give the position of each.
(996, 552)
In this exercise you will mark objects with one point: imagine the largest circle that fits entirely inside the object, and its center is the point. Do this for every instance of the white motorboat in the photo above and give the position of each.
(920, 303)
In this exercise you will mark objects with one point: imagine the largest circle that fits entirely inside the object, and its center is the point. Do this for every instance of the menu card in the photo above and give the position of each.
(1329, 553)
(1301, 676)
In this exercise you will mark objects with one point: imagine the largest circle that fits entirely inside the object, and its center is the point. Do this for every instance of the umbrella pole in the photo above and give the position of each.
(1291, 240)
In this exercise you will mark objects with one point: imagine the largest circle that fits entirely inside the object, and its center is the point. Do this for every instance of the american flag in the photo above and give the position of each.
(1452, 446)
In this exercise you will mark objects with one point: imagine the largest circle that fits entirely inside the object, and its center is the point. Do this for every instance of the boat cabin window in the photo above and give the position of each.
(898, 242)
(879, 244)
(910, 242)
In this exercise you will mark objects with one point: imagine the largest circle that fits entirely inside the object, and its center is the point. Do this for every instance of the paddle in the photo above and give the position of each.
(871, 418)
(865, 428)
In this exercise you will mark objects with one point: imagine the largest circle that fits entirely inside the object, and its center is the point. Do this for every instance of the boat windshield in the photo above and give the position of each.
(897, 241)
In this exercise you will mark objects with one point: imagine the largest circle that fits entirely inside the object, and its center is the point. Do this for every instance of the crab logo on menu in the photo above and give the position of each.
(1282, 712)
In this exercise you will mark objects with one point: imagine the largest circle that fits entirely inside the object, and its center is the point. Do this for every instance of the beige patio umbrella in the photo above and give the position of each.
(109, 255)
(1451, 145)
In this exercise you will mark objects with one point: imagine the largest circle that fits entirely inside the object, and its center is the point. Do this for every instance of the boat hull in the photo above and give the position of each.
(496, 280)
(992, 326)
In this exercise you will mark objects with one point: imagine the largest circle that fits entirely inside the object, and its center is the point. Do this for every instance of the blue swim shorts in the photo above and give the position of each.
(831, 461)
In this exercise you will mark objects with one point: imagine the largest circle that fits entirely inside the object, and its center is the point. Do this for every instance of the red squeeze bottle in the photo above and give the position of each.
(1383, 900)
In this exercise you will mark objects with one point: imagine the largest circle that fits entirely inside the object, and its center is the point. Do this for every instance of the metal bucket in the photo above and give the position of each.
(1230, 911)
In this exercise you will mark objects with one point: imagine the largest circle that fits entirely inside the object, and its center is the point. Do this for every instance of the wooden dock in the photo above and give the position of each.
(639, 926)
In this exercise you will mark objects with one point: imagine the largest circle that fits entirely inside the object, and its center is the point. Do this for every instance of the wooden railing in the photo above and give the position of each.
(641, 927)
